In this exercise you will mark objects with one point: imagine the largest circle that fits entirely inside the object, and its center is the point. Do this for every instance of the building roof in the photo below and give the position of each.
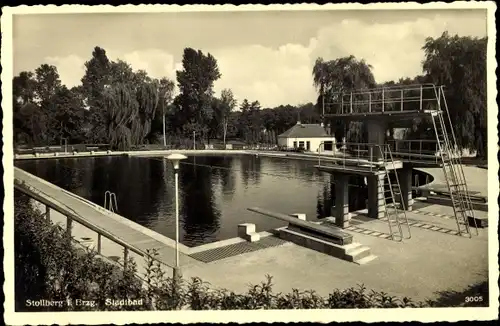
(305, 131)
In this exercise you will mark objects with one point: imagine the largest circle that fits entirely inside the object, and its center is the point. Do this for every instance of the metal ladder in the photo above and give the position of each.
(110, 202)
(452, 168)
(391, 209)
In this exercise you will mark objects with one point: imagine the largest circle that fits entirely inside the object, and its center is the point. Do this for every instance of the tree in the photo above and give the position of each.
(121, 109)
(94, 82)
(255, 121)
(333, 78)
(23, 87)
(195, 81)
(47, 83)
(166, 92)
(147, 96)
(244, 121)
(459, 63)
(68, 113)
(228, 103)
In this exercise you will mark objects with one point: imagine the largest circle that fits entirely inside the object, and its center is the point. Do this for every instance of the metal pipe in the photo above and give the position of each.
(342, 103)
(351, 102)
(176, 219)
(370, 102)
(421, 96)
(401, 100)
(383, 97)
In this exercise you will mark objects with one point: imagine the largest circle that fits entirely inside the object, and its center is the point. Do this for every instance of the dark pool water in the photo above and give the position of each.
(215, 191)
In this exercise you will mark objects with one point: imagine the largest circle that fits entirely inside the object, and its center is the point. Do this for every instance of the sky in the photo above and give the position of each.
(266, 56)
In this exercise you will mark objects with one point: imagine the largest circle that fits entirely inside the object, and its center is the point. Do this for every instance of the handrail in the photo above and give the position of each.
(428, 85)
(109, 200)
(73, 216)
(359, 156)
(420, 152)
(381, 99)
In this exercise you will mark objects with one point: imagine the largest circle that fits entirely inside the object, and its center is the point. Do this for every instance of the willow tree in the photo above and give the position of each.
(121, 110)
(335, 77)
(147, 96)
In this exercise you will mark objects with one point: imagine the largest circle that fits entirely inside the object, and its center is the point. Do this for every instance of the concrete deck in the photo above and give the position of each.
(477, 178)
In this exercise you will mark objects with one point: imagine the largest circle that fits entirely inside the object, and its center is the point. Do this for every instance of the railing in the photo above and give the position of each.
(384, 99)
(73, 216)
(110, 202)
(356, 154)
(416, 150)
(423, 150)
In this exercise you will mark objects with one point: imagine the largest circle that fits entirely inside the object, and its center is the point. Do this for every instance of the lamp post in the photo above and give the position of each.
(175, 159)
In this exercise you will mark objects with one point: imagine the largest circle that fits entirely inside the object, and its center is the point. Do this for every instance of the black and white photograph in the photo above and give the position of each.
(283, 163)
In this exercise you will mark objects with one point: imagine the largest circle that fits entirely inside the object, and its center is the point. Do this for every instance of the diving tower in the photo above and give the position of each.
(390, 194)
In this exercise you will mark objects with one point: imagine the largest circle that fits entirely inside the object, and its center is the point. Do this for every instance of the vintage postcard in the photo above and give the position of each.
(283, 163)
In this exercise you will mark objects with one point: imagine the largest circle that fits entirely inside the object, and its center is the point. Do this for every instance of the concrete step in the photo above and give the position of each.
(358, 254)
(365, 260)
(352, 252)
(352, 247)
(252, 236)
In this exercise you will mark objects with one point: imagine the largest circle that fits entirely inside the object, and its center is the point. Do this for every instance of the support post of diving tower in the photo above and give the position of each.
(342, 215)
(405, 177)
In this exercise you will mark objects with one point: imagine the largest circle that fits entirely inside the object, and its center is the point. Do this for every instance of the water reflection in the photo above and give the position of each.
(215, 191)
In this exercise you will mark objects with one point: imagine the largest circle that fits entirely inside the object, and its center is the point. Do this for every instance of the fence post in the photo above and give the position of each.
(69, 225)
(125, 257)
(47, 212)
(99, 239)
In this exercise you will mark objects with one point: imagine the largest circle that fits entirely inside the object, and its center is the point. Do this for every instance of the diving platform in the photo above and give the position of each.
(390, 103)
(358, 168)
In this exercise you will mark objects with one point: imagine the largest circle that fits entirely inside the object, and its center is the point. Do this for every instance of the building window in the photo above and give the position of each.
(294, 144)
(308, 145)
(328, 145)
(301, 144)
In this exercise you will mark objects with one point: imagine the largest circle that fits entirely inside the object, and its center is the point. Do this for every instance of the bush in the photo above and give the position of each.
(49, 266)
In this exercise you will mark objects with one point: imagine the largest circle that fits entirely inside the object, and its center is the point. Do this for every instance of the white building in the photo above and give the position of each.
(308, 136)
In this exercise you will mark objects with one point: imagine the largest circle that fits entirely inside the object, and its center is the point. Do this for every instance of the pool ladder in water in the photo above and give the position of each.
(110, 202)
